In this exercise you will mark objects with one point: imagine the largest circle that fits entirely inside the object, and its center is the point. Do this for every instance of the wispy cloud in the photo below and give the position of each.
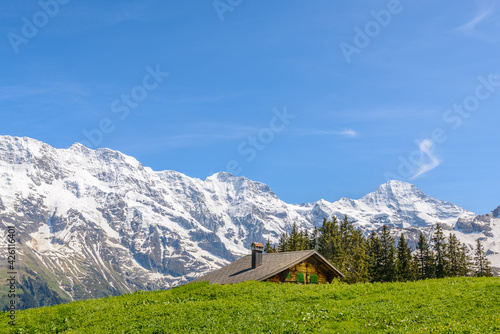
(202, 138)
(19, 91)
(391, 113)
(225, 132)
(486, 8)
(15, 92)
(204, 98)
(209, 133)
(201, 134)
(115, 13)
(316, 132)
(426, 149)
(349, 132)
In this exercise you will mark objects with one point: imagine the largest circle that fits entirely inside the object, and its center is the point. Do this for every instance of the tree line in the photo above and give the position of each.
(377, 258)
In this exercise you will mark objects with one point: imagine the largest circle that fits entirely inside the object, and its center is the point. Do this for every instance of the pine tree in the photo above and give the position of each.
(305, 240)
(313, 240)
(355, 258)
(374, 258)
(464, 261)
(345, 248)
(283, 243)
(295, 239)
(481, 263)
(452, 256)
(439, 249)
(346, 230)
(404, 262)
(329, 241)
(387, 252)
(420, 253)
(269, 248)
(344, 253)
(424, 259)
(432, 264)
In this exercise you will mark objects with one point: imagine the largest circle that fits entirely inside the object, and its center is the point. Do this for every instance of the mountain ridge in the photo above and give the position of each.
(97, 222)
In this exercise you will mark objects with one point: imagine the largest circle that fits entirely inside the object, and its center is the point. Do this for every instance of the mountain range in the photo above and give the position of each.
(94, 223)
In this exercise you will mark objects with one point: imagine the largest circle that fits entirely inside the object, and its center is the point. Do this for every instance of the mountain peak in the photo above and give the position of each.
(396, 189)
(226, 177)
(496, 212)
(222, 176)
(395, 194)
(395, 184)
(87, 207)
(22, 140)
(78, 146)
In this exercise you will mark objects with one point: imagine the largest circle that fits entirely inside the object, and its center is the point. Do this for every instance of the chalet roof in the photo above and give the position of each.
(272, 264)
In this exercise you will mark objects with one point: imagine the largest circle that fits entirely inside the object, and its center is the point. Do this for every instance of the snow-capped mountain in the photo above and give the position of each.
(93, 223)
(394, 203)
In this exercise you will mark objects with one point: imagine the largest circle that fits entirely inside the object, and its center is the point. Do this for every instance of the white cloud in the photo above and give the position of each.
(426, 149)
(14, 92)
(485, 10)
(204, 98)
(315, 132)
(349, 132)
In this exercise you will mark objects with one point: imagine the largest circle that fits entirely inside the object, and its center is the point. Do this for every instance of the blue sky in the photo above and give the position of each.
(318, 99)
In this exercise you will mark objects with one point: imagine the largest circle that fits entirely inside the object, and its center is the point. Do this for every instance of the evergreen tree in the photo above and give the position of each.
(283, 243)
(419, 257)
(440, 251)
(305, 240)
(295, 239)
(329, 241)
(387, 255)
(360, 257)
(464, 261)
(269, 248)
(431, 260)
(481, 263)
(313, 240)
(354, 253)
(452, 256)
(375, 258)
(346, 230)
(405, 269)
(424, 259)
(345, 260)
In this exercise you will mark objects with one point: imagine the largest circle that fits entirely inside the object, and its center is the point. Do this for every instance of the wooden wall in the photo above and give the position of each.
(308, 268)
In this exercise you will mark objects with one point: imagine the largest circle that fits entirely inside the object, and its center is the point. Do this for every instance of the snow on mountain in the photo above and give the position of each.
(97, 222)
(397, 204)
(487, 228)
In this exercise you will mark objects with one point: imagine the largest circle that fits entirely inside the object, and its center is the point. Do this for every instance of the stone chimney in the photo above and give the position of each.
(257, 249)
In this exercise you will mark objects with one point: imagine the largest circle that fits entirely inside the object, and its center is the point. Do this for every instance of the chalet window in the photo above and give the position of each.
(314, 279)
(289, 276)
(300, 277)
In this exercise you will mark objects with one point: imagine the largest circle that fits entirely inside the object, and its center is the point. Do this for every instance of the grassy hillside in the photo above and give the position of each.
(458, 305)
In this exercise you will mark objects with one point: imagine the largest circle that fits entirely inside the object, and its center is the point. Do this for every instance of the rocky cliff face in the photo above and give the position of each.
(94, 223)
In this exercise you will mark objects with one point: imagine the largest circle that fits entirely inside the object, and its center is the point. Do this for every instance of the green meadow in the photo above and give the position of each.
(451, 305)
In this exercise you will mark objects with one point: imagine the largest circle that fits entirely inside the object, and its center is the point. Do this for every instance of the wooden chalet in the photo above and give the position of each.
(301, 267)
